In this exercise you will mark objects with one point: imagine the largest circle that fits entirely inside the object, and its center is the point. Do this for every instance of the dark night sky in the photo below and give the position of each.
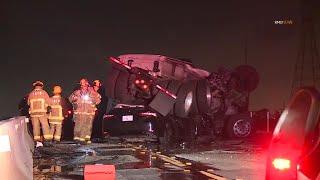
(59, 42)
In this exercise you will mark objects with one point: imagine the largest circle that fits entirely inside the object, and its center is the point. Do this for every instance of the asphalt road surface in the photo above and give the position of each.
(142, 158)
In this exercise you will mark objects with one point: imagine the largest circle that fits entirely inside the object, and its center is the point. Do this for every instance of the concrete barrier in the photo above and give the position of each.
(16, 148)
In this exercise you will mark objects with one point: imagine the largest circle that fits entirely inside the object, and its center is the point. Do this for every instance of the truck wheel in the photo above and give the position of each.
(185, 99)
(239, 126)
(203, 96)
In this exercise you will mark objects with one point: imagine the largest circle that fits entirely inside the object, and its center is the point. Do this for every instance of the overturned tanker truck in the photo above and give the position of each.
(190, 102)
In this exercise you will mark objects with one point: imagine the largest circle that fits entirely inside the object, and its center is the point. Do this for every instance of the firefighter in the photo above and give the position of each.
(57, 113)
(96, 85)
(38, 101)
(84, 103)
(97, 131)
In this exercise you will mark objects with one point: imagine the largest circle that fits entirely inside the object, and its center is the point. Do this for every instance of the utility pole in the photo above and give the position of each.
(246, 47)
(307, 66)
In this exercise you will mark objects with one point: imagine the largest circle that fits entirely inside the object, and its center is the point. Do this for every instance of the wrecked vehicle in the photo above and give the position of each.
(190, 101)
(129, 119)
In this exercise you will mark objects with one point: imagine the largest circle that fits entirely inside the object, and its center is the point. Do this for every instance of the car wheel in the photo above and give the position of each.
(239, 126)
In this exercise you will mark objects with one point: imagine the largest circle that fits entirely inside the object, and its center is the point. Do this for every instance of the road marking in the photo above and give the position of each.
(212, 175)
(170, 160)
(187, 170)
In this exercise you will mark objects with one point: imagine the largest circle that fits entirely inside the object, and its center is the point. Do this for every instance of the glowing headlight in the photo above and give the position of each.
(188, 102)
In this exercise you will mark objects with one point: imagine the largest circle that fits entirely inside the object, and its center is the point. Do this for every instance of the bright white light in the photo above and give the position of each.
(85, 97)
(4, 143)
(150, 127)
(188, 102)
(39, 144)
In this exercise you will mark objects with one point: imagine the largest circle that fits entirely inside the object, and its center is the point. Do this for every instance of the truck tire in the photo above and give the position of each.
(239, 126)
(202, 99)
(185, 99)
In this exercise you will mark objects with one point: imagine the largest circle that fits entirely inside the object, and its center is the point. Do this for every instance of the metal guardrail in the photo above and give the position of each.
(16, 148)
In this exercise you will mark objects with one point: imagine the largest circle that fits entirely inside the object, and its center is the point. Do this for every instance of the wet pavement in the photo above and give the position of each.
(142, 158)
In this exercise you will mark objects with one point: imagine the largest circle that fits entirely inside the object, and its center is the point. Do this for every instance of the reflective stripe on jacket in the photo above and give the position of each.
(84, 102)
(38, 101)
(56, 113)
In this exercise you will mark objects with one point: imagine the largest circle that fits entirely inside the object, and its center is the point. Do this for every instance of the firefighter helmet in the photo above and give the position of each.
(84, 81)
(57, 90)
(97, 83)
(37, 83)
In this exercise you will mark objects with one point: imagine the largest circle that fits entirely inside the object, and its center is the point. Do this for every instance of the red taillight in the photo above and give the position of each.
(69, 112)
(145, 86)
(142, 81)
(137, 81)
(281, 164)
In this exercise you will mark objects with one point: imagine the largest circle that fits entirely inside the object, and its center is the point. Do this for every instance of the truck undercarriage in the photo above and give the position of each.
(190, 102)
